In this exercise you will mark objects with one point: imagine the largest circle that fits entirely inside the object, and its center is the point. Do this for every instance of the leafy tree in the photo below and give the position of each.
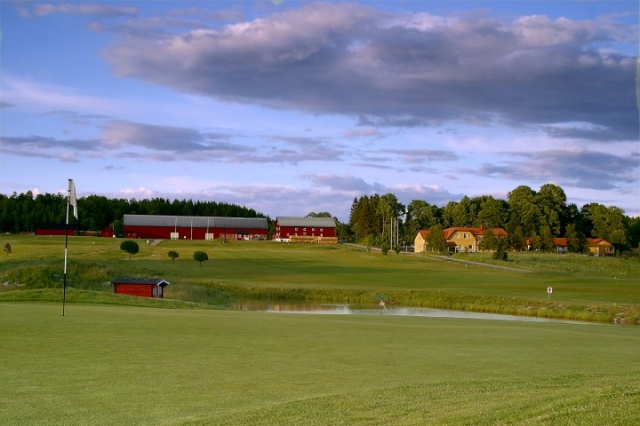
(608, 223)
(7, 248)
(633, 232)
(552, 204)
(173, 255)
(320, 214)
(421, 215)
(200, 256)
(130, 247)
(493, 213)
(573, 242)
(501, 250)
(516, 239)
(384, 248)
(343, 230)
(436, 240)
(489, 241)
(524, 211)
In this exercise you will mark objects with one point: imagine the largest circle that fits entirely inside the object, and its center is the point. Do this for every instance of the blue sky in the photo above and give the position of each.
(294, 107)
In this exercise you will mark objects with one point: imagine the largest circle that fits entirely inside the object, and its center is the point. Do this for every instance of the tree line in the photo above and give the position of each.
(373, 219)
(540, 215)
(26, 212)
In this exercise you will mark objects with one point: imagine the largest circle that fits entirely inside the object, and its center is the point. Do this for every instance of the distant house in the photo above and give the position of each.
(596, 246)
(142, 287)
(600, 247)
(459, 239)
(561, 245)
(305, 229)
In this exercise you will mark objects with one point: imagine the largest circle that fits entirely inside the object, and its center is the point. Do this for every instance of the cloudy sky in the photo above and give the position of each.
(290, 107)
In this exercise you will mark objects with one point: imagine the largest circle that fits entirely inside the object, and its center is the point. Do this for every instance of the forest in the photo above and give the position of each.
(374, 219)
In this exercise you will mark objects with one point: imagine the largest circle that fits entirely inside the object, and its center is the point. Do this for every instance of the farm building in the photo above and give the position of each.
(195, 227)
(56, 230)
(142, 287)
(306, 229)
(459, 239)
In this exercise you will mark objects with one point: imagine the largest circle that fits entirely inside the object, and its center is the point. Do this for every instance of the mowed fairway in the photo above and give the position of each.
(116, 365)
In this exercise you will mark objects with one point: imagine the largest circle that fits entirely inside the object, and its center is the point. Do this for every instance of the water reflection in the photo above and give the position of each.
(337, 309)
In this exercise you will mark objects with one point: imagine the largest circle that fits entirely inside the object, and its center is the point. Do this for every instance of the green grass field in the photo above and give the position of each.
(108, 362)
(119, 365)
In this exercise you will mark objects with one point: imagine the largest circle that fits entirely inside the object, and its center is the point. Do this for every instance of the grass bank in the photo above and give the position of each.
(584, 288)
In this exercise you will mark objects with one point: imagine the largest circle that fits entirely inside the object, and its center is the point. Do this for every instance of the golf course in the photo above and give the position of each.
(192, 359)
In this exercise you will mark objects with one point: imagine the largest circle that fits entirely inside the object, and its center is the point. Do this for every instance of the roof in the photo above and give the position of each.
(318, 222)
(141, 281)
(449, 232)
(594, 242)
(196, 221)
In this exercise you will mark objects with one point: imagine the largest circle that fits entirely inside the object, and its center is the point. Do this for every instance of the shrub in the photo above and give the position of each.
(130, 247)
(200, 256)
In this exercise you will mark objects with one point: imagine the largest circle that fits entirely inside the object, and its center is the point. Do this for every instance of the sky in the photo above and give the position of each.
(291, 107)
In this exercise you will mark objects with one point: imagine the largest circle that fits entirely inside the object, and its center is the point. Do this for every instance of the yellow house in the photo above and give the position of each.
(420, 242)
(600, 247)
(459, 239)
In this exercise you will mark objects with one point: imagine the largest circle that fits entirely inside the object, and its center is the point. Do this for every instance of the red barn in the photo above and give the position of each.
(142, 287)
(195, 227)
(287, 228)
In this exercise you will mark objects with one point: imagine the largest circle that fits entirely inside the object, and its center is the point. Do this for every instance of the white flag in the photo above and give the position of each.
(72, 198)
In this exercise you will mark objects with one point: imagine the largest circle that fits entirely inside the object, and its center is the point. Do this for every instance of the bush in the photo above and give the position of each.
(200, 256)
(130, 247)
(500, 255)
(173, 255)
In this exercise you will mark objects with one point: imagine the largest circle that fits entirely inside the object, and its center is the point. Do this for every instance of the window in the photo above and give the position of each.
(321, 230)
(304, 229)
(296, 229)
(466, 235)
(313, 229)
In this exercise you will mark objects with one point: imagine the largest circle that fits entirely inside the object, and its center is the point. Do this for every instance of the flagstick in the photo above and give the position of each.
(66, 250)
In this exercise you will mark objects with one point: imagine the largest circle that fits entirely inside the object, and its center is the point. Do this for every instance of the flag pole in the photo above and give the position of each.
(71, 201)
(66, 249)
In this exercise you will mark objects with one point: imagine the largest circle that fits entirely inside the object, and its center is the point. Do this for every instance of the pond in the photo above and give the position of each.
(337, 309)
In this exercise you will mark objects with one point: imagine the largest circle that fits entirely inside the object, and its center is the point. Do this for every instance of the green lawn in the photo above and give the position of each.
(118, 365)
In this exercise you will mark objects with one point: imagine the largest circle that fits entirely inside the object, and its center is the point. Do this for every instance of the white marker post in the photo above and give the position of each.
(549, 291)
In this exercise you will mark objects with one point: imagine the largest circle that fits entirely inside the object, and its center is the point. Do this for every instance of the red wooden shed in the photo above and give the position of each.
(143, 287)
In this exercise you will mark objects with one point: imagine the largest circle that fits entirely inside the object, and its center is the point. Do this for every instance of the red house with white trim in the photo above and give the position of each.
(142, 287)
(288, 227)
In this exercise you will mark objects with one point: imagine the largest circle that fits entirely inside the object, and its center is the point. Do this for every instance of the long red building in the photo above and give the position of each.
(195, 227)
